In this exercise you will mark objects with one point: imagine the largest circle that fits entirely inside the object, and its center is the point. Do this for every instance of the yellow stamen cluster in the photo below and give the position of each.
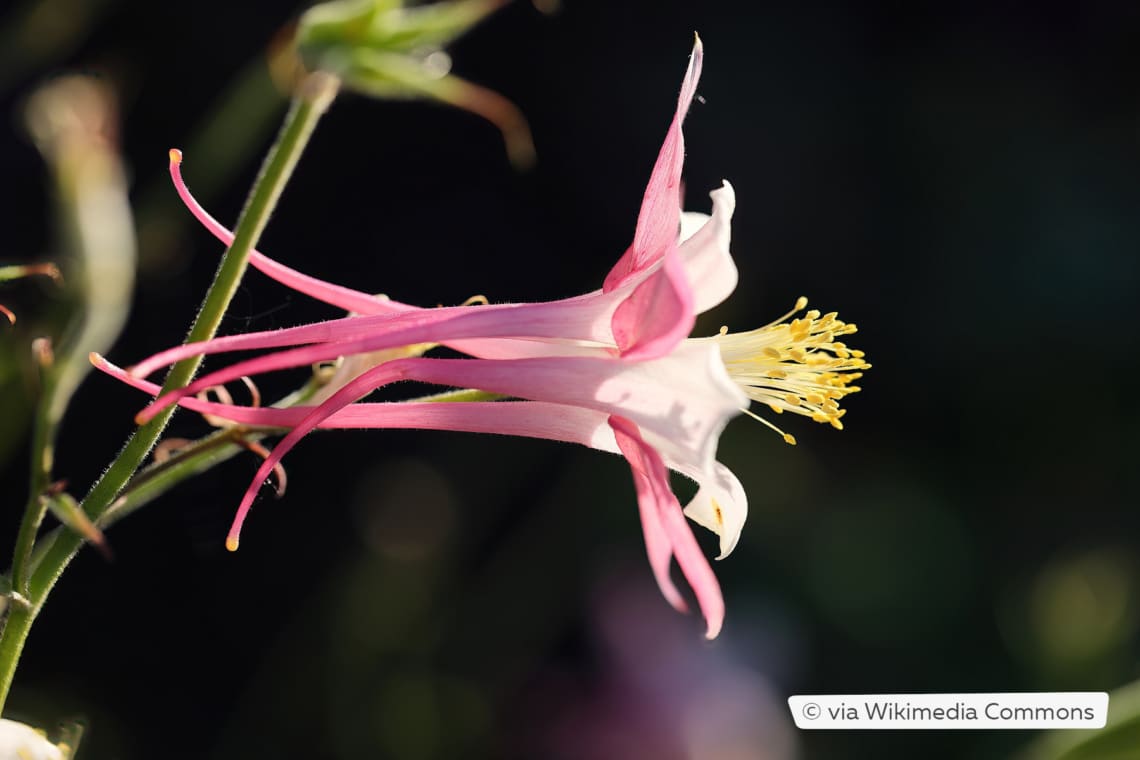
(796, 366)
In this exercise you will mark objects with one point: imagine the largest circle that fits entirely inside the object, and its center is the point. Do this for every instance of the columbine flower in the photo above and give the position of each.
(611, 369)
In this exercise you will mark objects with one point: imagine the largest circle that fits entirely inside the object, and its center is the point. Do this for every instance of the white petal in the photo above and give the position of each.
(708, 263)
(682, 401)
(721, 506)
(21, 742)
(691, 223)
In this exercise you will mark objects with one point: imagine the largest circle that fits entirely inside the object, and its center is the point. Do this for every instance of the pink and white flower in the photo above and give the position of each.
(611, 369)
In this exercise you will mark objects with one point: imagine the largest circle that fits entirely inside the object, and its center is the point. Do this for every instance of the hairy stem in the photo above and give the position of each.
(313, 99)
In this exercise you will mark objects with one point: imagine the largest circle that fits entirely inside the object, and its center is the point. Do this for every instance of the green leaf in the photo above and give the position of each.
(386, 50)
(437, 24)
(390, 75)
(344, 26)
(67, 510)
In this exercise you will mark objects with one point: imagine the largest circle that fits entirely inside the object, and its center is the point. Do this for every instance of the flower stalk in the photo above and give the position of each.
(313, 98)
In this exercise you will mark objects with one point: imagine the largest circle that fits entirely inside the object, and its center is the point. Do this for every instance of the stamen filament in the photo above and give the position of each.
(788, 438)
(795, 366)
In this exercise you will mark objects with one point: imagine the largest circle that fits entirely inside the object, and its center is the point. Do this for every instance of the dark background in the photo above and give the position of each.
(961, 181)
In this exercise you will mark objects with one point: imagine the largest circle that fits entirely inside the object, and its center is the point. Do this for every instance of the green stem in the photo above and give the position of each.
(43, 433)
(198, 457)
(313, 99)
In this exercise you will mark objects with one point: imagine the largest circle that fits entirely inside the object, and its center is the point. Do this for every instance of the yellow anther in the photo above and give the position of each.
(175, 156)
(795, 364)
(763, 421)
